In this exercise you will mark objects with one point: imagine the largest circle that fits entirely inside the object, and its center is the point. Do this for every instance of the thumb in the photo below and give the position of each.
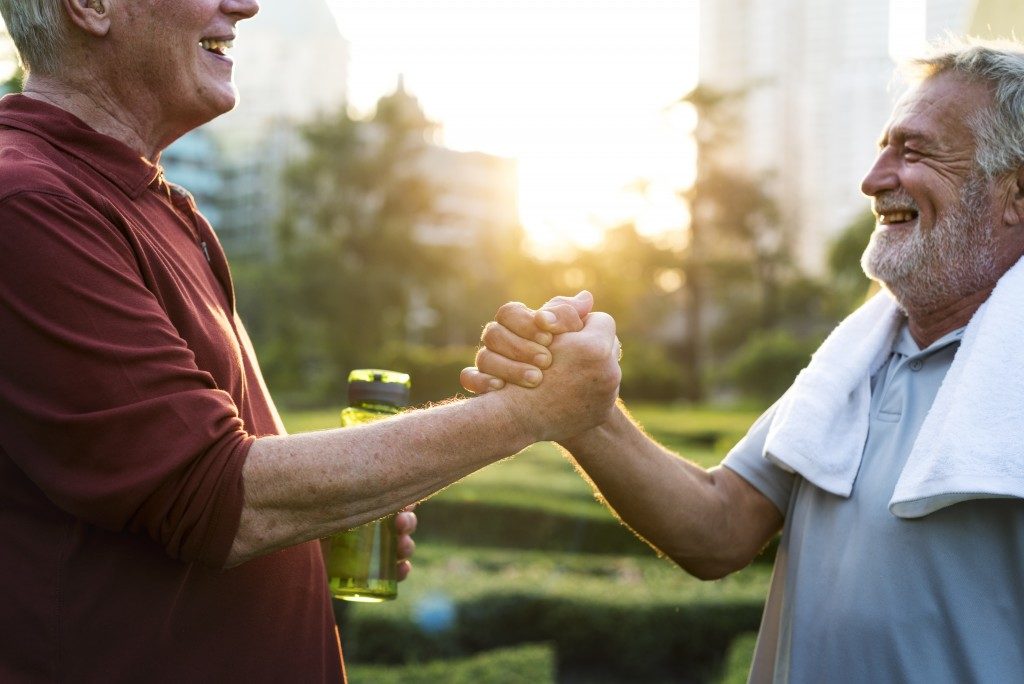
(583, 302)
(565, 314)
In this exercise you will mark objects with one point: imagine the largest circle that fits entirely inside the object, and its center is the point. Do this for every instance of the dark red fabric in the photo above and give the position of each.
(129, 398)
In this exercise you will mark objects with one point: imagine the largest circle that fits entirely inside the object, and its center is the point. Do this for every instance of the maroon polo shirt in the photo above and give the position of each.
(129, 398)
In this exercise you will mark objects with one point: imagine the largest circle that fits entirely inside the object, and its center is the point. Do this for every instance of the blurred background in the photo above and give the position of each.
(397, 170)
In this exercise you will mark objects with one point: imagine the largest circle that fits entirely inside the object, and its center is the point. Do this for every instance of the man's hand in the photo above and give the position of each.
(515, 343)
(580, 388)
(405, 525)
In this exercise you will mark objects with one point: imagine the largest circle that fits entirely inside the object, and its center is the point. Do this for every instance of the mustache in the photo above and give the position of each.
(893, 200)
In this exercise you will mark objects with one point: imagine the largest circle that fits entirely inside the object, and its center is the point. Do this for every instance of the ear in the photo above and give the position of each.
(1013, 213)
(91, 16)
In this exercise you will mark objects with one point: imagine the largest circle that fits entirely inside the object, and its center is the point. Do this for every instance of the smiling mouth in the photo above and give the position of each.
(216, 46)
(890, 218)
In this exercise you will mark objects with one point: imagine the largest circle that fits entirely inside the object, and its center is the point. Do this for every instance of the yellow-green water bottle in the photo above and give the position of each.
(362, 562)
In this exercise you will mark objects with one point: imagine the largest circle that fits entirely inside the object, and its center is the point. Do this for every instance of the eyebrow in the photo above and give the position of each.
(916, 136)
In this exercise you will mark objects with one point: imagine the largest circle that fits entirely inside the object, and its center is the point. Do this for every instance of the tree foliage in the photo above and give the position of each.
(356, 284)
(349, 259)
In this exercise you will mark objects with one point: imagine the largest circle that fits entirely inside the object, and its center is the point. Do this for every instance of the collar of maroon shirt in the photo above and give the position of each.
(117, 162)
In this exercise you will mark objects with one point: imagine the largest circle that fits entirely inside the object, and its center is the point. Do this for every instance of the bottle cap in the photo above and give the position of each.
(374, 386)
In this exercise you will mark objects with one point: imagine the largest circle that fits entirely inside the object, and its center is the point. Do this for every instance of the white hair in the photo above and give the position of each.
(38, 32)
(998, 129)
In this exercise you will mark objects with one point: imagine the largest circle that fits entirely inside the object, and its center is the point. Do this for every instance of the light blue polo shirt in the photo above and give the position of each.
(859, 595)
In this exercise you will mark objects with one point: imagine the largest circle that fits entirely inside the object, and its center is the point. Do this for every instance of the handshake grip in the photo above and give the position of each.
(579, 387)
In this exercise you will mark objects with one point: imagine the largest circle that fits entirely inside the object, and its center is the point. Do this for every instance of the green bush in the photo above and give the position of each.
(594, 640)
(649, 374)
(736, 668)
(530, 664)
(434, 370)
(609, 618)
(767, 364)
(482, 524)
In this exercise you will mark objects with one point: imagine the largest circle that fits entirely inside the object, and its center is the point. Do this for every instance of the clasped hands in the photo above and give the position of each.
(572, 349)
(563, 339)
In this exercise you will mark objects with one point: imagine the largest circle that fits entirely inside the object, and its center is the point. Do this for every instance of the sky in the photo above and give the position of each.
(581, 93)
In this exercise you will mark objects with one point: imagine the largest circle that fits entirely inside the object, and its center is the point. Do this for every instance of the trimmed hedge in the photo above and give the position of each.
(736, 669)
(489, 525)
(478, 524)
(531, 664)
(594, 641)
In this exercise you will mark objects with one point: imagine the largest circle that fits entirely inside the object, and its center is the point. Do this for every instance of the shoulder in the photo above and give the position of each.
(31, 165)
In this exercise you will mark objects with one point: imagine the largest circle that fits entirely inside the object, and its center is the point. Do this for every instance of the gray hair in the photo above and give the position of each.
(38, 31)
(999, 129)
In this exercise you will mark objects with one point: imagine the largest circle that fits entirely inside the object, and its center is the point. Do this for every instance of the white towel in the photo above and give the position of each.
(971, 444)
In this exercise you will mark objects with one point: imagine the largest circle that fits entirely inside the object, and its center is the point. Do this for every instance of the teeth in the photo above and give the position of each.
(896, 216)
(215, 45)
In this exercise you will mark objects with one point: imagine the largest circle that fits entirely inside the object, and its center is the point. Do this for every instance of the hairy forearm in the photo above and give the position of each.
(305, 486)
(710, 522)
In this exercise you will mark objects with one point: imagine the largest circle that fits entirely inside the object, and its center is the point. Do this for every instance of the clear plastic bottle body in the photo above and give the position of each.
(362, 563)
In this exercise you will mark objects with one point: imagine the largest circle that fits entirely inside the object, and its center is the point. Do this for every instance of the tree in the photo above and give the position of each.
(739, 257)
(8, 55)
(350, 262)
(850, 285)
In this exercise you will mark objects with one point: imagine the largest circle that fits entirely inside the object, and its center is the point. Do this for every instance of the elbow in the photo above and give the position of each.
(719, 556)
(711, 568)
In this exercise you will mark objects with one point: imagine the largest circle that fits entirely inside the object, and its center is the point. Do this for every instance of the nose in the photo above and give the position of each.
(242, 9)
(882, 175)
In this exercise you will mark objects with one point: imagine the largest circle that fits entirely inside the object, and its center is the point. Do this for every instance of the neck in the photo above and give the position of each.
(98, 110)
(928, 325)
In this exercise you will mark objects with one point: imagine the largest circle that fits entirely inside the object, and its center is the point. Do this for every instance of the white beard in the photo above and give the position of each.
(958, 257)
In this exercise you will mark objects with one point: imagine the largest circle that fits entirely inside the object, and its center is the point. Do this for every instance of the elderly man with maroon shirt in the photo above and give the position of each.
(157, 523)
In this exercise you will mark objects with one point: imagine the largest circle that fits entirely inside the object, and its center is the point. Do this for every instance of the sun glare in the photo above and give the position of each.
(907, 28)
(579, 93)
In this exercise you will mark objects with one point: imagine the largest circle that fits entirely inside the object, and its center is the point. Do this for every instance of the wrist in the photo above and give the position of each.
(590, 440)
(522, 419)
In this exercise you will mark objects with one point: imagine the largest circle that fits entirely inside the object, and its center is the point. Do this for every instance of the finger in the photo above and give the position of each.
(597, 340)
(500, 340)
(406, 547)
(404, 568)
(406, 522)
(582, 302)
(472, 380)
(518, 318)
(557, 318)
(601, 324)
(522, 374)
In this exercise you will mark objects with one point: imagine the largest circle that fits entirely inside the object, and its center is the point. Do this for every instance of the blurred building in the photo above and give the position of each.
(194, 162)
(998, 18)
(291, 64)
(819, 81)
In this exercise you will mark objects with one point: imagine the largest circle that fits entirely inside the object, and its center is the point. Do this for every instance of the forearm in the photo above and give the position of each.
(710, 522)
(306, 486)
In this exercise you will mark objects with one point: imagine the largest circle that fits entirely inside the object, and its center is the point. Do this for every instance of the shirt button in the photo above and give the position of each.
(916, 364)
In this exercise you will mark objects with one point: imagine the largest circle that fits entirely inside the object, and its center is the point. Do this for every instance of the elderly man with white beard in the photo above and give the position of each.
(894, 465)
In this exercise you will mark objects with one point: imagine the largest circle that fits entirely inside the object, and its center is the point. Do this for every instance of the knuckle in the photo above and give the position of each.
(489, 331)
(509, 309)
(483, 358)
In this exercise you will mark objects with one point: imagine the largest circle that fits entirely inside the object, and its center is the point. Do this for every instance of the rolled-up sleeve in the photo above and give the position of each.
(102, 403)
